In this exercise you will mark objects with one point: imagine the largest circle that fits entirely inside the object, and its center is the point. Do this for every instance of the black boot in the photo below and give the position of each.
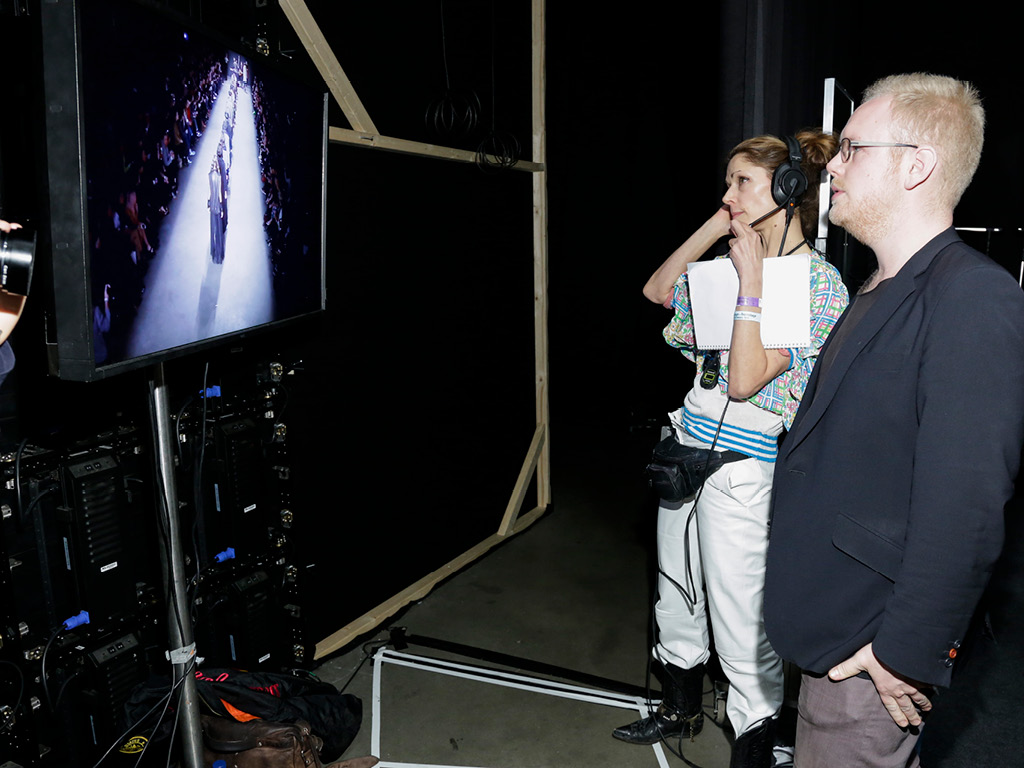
(680, 713)
(753, 749)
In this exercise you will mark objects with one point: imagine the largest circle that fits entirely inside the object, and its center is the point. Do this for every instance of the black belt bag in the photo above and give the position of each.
(677, 472)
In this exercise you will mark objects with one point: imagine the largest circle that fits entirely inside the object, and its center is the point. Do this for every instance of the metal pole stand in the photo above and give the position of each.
(179, 624)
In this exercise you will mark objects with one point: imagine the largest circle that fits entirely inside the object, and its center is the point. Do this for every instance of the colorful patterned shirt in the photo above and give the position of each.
(782, 394)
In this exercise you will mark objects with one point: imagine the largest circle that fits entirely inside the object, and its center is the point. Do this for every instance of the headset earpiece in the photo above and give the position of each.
(789, 182)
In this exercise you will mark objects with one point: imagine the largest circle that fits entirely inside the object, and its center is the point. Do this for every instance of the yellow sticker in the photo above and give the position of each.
(134, 745)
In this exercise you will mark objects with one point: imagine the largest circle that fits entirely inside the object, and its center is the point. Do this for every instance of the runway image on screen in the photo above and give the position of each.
(205, 185)
(213, 279)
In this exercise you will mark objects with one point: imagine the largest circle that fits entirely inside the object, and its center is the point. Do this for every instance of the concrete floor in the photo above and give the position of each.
(573, 592)
(570, 600)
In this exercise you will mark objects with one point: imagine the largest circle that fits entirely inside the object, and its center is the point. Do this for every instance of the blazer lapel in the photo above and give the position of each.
(902, 286)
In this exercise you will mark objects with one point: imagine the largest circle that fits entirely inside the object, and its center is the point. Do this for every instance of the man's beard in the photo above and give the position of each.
(869, 219)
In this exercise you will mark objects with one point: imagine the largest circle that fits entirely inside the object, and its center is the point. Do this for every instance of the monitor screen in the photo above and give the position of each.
(201, 173)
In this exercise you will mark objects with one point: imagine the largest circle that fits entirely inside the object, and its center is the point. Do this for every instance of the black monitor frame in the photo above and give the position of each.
(69, 314)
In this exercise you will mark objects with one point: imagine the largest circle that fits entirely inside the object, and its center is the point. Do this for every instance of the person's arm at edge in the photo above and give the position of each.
(11, 306)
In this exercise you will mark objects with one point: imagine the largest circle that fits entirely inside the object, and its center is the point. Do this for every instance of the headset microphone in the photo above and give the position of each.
(768, 215)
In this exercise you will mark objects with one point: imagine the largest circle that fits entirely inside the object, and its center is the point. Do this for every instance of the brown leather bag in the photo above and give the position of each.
(265, 744)
(260, 743)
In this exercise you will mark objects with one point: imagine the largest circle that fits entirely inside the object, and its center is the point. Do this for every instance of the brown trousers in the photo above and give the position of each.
(844, 725)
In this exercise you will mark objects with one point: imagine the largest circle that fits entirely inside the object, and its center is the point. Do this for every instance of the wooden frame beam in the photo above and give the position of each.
(327, 64)
(540, 247)
(419, 148)
(515, 503)
(365, 134)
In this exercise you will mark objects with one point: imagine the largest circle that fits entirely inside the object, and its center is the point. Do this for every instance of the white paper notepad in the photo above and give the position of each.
(785, 304)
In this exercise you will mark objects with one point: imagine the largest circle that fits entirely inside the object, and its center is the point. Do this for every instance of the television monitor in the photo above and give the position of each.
(186, 188)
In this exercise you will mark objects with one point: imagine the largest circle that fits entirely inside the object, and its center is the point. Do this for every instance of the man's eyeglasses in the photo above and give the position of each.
(846, 147)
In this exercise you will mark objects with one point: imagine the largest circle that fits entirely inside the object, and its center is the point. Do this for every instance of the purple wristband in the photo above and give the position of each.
(748, 301)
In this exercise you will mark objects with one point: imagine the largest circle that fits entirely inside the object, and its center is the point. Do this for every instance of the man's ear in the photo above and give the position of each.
(925, 159)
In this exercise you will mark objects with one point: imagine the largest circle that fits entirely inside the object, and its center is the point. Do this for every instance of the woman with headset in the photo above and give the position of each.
(741, 401)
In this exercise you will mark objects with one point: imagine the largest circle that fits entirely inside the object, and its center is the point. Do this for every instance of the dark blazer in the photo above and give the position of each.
(887, 514)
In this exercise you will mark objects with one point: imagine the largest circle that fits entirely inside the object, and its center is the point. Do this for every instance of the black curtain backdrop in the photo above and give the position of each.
(414, 404)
